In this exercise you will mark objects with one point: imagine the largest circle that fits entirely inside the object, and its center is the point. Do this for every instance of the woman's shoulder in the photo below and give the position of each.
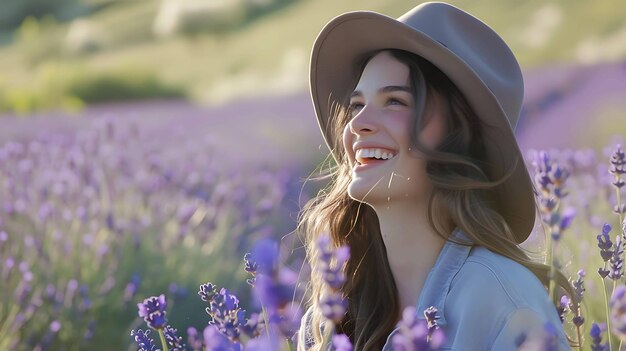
(494, 278)
(498, 298)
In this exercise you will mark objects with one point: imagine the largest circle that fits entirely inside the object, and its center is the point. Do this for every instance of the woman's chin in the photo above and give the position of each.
(367, 193)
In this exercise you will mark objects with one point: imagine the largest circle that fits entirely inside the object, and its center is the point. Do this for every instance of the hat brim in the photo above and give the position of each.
(334, 64)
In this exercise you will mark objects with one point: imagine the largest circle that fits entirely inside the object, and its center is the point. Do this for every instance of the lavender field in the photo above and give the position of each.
(127, 201)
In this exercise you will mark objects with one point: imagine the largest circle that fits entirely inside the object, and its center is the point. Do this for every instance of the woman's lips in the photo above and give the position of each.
(368, 165)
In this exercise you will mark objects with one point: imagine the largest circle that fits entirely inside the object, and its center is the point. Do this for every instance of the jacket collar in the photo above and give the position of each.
(437, 285)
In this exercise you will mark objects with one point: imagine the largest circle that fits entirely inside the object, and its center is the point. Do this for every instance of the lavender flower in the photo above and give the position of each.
(605, 245)
(596, 338)
(341, 342)
(549, 176)
(251, 267)
(616, 262)
(174, 342)
(547, 340)
(579, 289)
(267, 342)
(193, 340)
(143, 340)
(563, 307)
(550, 338)
(413, 334)
(332, 304)
(224, 310)
(215, 341)
(274, 288)
(254, 325)
(618, 166)
(131, 288)
(431, 314)
(152, 310)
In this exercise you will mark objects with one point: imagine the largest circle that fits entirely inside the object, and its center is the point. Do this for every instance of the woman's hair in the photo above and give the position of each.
(461, 190)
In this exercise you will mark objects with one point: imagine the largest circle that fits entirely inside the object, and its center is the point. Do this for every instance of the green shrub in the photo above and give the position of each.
(69, 88)
(122, 84)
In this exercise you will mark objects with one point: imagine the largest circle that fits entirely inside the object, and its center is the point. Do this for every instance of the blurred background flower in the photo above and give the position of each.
(147, 145)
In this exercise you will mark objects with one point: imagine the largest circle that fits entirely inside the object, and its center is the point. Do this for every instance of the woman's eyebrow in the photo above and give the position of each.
(387, 89)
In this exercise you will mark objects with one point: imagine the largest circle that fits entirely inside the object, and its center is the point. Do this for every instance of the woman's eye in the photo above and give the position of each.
(355, 106)
(393, 101)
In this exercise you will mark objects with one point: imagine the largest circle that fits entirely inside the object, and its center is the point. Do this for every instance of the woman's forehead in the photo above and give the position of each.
(383, 70)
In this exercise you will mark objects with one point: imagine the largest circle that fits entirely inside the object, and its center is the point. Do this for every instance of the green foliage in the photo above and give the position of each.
(69, 88)
(123, 84)
(14, 12)
(37, 39)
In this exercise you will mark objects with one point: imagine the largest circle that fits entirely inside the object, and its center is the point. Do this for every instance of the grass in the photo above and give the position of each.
(205, 63)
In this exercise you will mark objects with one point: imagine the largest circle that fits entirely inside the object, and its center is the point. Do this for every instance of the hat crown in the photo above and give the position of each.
(478, 46)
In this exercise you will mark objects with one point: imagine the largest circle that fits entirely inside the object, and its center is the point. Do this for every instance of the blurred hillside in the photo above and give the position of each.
(217, 50)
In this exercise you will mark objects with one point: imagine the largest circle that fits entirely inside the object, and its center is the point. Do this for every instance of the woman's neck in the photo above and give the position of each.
(412, 246)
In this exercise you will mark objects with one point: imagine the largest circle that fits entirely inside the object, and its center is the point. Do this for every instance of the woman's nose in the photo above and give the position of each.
(363, 122)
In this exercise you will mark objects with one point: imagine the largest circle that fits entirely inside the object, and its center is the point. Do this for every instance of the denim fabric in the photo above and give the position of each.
(485, 300)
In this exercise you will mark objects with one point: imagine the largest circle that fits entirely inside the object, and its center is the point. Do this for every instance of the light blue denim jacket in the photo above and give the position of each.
(485, 300)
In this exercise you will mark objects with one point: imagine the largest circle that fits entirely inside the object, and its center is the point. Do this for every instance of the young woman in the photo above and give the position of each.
(430, 190)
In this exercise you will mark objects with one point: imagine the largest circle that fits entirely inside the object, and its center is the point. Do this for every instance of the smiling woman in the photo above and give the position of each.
(430, 191)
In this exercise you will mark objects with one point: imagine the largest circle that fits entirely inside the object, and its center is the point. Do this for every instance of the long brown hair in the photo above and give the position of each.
(462, 191)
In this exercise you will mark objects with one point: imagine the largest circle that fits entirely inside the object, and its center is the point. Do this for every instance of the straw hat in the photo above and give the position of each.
(470, 53)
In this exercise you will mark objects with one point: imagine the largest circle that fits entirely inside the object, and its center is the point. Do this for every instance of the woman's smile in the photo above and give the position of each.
(377, 139)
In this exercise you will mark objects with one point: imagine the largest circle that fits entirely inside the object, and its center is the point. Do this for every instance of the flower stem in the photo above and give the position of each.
(163, 342)
(578, 333)
(621, 220)
(608, 319)
(551, 260)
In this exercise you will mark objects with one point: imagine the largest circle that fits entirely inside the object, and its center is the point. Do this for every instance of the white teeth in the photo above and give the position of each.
(373, 153)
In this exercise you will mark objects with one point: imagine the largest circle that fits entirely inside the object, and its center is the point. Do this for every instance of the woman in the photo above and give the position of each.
(430, 190)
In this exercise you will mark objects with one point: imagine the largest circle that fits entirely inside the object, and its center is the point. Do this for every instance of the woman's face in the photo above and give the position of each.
(384, 167)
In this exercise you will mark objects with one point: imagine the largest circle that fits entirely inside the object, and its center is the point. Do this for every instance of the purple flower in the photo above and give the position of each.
(274, 293)
(251, 267)
(333, 307)
(193, 340)
(143, 340)
(550, 338)
(224, 310)
(332, 304)
(341, 342)
(152, 310)
(131, 287)
(563, 307)
(431, 317)
(616, 262)
(618, 166)
(604, 243)
(207, 291)
(568, 216)
(596, 338)
(215, 341)
(267, 342)
(174, 342)
(413, 334)
(254, 325)
(579, 289)
(549, 176)
(264, 256)
(547, 340)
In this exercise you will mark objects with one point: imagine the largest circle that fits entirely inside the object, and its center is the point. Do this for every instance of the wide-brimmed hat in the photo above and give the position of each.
(470, 53)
